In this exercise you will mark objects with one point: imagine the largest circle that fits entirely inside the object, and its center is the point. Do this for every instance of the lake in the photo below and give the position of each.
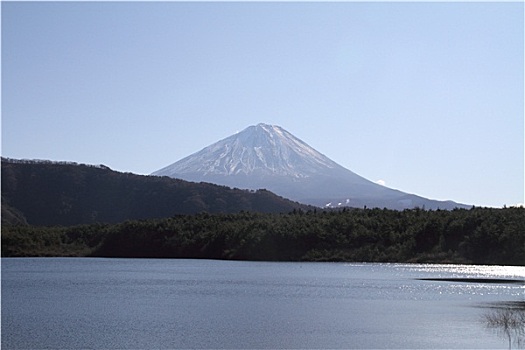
(147, 303)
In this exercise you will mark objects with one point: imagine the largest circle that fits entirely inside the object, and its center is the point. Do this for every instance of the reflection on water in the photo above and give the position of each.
(508, 320)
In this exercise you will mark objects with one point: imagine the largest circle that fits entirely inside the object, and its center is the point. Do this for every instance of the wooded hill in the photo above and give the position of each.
(45, 193)
(478, 235)
(127, 215)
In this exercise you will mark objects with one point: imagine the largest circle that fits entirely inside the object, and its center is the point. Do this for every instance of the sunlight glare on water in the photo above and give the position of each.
(145, 303)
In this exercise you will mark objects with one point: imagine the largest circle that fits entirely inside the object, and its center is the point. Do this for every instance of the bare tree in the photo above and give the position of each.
(508, 322)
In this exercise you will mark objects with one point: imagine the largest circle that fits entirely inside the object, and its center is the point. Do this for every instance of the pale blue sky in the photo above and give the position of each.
(428, 97)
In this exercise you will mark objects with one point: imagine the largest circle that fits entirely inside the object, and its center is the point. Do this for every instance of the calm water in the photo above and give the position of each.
(142, 303)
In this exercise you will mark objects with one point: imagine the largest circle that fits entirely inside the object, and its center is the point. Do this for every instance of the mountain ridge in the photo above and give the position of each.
(268, 156)
(65, 193)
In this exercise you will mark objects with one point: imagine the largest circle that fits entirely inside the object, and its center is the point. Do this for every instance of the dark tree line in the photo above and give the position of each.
(478, 235)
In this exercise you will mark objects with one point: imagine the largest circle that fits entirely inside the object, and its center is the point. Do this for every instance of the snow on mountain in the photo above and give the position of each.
(268, 156)
(262, 149)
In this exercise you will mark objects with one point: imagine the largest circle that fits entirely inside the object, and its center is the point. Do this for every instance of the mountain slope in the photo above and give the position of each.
(47, 193)
(267, 156)
(261, 150)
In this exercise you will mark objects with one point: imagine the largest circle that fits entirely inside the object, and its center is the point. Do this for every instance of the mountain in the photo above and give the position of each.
(267, 156)
(51, 193)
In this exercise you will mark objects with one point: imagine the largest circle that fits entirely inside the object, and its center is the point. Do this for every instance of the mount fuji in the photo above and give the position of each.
(269, 157)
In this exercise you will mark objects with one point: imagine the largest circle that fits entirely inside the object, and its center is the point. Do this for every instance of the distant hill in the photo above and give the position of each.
(60, 193)
(267, 156)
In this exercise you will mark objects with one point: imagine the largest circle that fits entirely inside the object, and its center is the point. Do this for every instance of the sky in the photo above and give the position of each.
(427, 98)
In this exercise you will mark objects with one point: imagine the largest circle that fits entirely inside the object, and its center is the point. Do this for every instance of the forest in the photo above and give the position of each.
(45, 193)
(470, 236)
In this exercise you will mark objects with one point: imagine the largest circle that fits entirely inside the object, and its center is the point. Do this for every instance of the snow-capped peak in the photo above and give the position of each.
(261, 149)
(268, 156)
